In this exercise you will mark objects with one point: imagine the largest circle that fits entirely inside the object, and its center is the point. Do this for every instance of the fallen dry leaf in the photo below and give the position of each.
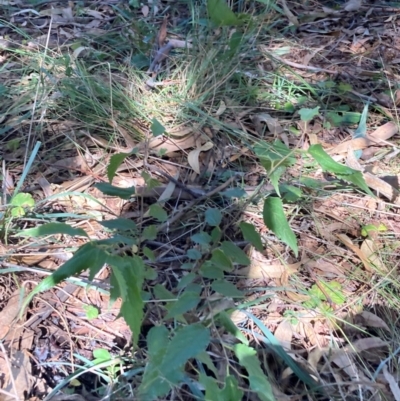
(363, 344)
(371, 320)
(10, 313)
(353, 5)
(370, 249)
(394, 387)
(272, 123)
(378, 137)
(20, 370)
(284, 334)
(193, 156)
(347, 241)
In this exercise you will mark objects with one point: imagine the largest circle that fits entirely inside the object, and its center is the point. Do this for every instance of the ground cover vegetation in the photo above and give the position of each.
(199, 200)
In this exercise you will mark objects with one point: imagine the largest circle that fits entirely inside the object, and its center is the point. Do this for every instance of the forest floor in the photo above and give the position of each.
(272, 131)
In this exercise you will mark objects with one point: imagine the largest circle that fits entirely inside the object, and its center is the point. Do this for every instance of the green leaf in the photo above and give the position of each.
(361, 131)
(108, 189)
(23, 200)
(213, 217)
(208, 270)
(212, 391)
(231, 391)
(153, 384)
(183, 347)
(270, 340)
(332, 289)
(342, 171)
(216, 235)
(259, 383)
(115, 161)
(275, 175)
(167, 358)
(194, 254)
(132, 269)
(227, 289)
(275, 220)
(91, 312)
(327, 163)
(161, 293)
(221, 260)
(250, 234)
(220, 13)
(101, 355)
(201, 238)
(224, 319)
(149, 233)
(51, 229)
(185, 280)
(274, 155)
(156, 127)
(308, 114)
(234, 253)
(291, 193)
(120, 224)
(158, 212)
(187, 301)
(149, 253)
(88, 256)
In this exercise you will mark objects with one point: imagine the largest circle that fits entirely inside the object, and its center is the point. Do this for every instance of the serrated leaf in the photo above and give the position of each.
(275, 219)
(327, 163)
(274, 155)
(231, 327)
(101, 355)
(185, 280)
(87, 256)
(220, 260)
(234, 253)
(220, 13)
(213, 217)
(194, 254)
(115, 161)
(358, 180)
(182, 347)
(342, 171)
(91, 312)
(275, 175)
(161, 293)
(153, 384)
(250, 234)
(226, 288)
(308, 114)
(119, 224)
(149, 253)
(231, 391)
(132, 270)
(108, 189)
(52, 229)
(187, 301)
(201, 238)
(149, 233)
(158, 212)
(156, 127)
(22, 200)
(208, 270)
(167, 357)
(259, 383)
